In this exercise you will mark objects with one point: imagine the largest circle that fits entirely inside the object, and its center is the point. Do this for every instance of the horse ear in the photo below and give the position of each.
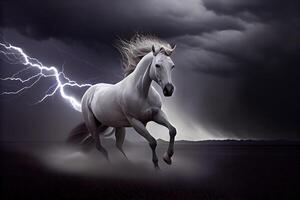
(170, 51)
(154, 51)
(173, 46)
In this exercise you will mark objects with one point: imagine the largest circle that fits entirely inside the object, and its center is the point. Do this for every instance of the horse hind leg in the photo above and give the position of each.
(120, 136)
(93, 126)
(99, 146)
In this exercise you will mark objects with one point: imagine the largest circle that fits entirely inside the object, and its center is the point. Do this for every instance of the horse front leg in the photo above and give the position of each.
(161, 118)
(141, 129)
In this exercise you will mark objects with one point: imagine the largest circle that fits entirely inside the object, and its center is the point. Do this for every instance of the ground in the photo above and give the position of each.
(200, 170)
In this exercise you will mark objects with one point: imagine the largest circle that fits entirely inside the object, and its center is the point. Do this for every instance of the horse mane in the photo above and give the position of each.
(133, 50)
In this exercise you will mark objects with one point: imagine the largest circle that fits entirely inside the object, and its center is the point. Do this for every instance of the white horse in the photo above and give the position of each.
(133, 102)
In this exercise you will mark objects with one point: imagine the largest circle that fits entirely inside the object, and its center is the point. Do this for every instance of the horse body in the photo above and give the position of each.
(111, 104)
(132, 102)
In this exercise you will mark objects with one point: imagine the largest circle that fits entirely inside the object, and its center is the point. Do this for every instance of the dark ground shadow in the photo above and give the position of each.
(199, 171)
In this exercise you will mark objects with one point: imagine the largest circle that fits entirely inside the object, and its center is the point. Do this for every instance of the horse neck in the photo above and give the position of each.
(141, 74)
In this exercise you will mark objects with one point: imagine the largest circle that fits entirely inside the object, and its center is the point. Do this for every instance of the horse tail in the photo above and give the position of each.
(80, 136)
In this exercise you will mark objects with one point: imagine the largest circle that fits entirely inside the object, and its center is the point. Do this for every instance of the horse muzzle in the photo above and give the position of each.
(168, 90)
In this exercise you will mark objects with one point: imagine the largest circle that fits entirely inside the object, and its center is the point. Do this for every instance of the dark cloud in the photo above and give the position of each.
(237, 61)
(100, 21)
(255, 10)
(260, 65)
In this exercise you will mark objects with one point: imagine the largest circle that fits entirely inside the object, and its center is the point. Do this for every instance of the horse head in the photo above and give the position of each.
(161, 69)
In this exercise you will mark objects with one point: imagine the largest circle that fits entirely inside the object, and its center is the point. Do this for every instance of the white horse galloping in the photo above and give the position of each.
(132, 102)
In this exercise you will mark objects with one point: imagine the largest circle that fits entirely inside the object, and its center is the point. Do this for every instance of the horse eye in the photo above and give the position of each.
(157, 65)
(172, 66)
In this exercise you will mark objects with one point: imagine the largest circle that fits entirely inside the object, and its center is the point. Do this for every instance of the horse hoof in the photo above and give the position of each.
(167, 159)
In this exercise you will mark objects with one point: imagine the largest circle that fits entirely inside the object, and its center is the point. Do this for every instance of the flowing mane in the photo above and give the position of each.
(136, 48)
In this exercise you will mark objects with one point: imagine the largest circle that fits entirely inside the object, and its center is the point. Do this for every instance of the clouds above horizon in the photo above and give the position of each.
(237, 60)
(95, 20)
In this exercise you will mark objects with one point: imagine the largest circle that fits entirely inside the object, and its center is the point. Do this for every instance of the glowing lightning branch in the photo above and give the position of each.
(15, 55)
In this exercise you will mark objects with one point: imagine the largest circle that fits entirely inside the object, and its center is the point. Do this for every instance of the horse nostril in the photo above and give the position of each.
(165, 91)
(168, 89)
(172, 88)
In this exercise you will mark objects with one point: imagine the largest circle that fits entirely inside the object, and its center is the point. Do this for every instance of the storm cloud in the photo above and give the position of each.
(236, 74)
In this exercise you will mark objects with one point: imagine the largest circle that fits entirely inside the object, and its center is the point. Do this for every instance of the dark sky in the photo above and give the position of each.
(237, 63)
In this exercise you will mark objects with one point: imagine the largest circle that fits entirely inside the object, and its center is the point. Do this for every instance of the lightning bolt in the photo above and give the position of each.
(16, 55)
